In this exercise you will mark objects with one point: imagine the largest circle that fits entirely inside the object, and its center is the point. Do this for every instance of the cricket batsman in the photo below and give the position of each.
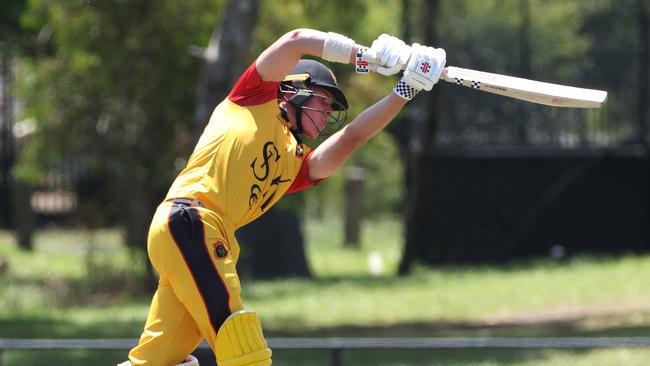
(248, 157)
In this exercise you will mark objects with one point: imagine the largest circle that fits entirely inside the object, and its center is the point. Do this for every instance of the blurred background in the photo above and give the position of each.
(471, 215)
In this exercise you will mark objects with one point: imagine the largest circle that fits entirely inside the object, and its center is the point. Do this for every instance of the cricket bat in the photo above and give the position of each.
(524, 89)
(529, 90)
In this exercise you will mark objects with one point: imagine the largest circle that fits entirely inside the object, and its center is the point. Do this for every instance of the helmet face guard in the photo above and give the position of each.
(297, 90)
(297, 94)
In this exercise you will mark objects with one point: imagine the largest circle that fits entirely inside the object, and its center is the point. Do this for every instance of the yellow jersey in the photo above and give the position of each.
(247, 158)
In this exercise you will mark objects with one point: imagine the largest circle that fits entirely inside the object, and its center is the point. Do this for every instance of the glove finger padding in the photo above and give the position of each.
(387, 49)
(424, 67)
(397, 61)
(388, 71)
(392, 54)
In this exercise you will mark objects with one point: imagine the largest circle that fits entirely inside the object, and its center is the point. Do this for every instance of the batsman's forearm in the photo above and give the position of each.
(336, 150)
(280, 58)
(373, 119)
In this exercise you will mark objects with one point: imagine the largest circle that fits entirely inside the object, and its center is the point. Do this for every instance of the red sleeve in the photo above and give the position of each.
(250, 89)
(302, 180)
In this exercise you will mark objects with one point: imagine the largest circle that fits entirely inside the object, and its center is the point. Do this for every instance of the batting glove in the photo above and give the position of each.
(388, 54)
(422, 72)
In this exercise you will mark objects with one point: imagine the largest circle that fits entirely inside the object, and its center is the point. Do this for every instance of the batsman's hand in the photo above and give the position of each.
(388, 55)
(425, 66)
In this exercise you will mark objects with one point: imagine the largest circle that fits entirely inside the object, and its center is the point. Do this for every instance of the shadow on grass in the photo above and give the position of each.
(62, 358)
(406, 357)
(43, 327)
(464, 329)
(476, 356)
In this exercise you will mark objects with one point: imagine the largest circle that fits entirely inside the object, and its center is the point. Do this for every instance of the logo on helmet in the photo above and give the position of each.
(333, 76)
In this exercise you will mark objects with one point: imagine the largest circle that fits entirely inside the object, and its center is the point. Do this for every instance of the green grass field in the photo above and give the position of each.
(66, 289)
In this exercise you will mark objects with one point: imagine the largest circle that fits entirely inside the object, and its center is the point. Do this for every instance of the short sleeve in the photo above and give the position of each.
(302, 180)
(250, 89)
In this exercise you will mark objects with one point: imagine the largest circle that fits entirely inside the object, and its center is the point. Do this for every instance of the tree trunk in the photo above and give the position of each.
(6, 127)
(226, 57)
(644, 79)
(24, 221)
(644, 69)
(524, 65)
(272, 246)
(354, 190)
(137, 218)
(419, 161)
(6, 150)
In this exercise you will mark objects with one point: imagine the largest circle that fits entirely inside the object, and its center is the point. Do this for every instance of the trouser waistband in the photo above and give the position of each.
(186, 201)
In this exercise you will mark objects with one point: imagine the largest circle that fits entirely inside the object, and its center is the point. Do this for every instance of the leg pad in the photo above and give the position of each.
(240, 341)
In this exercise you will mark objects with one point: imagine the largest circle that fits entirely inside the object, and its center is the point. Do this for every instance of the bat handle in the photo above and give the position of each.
(370, 56)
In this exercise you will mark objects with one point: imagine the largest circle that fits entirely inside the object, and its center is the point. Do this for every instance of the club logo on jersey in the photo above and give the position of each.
(220, 249)
(270, 154)
(299, 150)
(263, 170)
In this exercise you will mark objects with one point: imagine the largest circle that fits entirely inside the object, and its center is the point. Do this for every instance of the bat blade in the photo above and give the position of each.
(529, 90)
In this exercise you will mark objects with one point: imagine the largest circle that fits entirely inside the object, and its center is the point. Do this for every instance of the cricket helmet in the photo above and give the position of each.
(298, 85)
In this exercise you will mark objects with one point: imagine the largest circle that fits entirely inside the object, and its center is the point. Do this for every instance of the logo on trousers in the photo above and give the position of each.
(220, 249)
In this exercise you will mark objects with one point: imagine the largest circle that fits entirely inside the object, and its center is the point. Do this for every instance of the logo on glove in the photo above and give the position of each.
(426, 68)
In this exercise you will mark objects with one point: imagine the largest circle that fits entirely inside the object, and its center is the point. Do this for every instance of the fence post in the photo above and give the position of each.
(337, 356)
(355, 179)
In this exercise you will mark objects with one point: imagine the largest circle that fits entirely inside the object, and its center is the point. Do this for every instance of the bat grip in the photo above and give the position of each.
(370, 56)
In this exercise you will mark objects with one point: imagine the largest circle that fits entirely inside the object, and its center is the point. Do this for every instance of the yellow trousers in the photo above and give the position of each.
(195, 253)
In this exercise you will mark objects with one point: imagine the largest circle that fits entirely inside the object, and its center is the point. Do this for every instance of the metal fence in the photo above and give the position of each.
(337, 345)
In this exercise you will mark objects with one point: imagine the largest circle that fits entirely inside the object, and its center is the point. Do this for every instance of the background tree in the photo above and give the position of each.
(419, 150)
(114, 91)
(643, 8)
(113, 96)
(578, 43)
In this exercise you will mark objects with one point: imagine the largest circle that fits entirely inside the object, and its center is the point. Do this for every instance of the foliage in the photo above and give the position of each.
(114, 86)
(115, 92)
(11, 31)
(544, 41)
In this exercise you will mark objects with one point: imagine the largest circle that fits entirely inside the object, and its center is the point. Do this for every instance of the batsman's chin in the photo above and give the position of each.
(311, 134)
